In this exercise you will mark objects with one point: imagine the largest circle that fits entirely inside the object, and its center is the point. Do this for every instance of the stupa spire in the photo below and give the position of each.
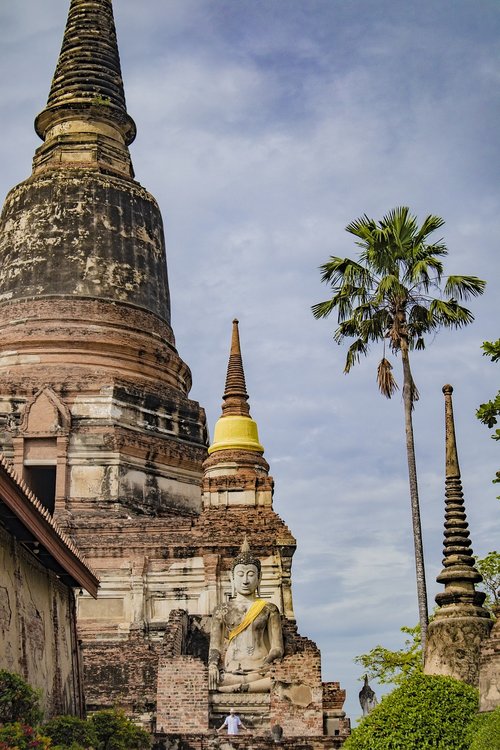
(235, 430)
(235, 398)
(459, 573)
(460, 623)
(86, 95)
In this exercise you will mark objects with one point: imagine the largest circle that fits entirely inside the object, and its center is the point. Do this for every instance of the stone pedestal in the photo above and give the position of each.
(454, 643)
(252, 708)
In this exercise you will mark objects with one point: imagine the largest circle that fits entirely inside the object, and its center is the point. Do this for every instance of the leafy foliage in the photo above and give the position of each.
(18, 736)
(490, 411)
(424, 712)
(19, 702)
(68, 730)
(395, 667)
(116, 732)
(486, 731)
(489, 567)
(394, 290)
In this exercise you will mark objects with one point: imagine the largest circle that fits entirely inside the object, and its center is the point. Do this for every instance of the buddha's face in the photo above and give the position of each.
(245, 578)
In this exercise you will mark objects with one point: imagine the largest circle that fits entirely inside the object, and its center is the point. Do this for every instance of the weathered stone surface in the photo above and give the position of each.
(454, 645)
(489, 668)
(86, 234)
(38, 628)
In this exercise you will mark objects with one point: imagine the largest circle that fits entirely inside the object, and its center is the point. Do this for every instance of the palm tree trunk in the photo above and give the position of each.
(408, 390)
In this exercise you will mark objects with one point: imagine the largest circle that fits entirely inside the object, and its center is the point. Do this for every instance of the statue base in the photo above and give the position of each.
(252, 708)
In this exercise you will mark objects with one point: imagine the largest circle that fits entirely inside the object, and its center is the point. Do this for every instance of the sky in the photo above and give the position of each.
(264, 128)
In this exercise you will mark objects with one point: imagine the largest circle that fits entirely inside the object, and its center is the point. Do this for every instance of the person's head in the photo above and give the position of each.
(232, 710)
(245, 578)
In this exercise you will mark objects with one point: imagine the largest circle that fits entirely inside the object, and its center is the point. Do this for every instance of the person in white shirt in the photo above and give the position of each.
(233, 723)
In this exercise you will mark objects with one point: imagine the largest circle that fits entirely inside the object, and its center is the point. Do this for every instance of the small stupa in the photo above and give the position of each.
(461, 623)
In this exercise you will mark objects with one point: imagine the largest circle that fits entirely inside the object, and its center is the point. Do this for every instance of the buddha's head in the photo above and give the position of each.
(246, 570)
(245, 579)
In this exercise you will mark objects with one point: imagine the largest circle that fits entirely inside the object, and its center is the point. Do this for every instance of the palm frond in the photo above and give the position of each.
(347, 329)
(429, 225)
(373, 328)
(390, 287)
(362, 227)
(449, 313)
(336, 270)
(464, 287)
(420, 321)
(385, 379)
(358, 348)
(425, 271)
(323, 309)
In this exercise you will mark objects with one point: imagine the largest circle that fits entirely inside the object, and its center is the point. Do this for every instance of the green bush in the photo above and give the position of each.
(486, 734)
(18, 700)
(424, 713)
(68, 730)
(19, 736)
(116, 732)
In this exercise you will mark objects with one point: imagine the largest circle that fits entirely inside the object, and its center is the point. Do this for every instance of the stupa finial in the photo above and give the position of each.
(459, 573)
(235, 398)
(235, 430)
(86, 96)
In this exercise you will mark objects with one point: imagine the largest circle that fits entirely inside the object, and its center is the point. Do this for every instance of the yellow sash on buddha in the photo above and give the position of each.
(250, 616)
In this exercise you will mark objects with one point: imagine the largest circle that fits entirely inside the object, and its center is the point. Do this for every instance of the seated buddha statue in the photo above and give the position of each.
(246, 636)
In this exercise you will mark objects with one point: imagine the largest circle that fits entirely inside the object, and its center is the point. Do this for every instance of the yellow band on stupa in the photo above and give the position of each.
(235, 432)
(250, 616)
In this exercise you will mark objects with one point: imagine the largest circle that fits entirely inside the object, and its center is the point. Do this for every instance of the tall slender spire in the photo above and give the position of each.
(86, 96)
(235, 398)
(235, 430)
(460, 623)
(459, 573)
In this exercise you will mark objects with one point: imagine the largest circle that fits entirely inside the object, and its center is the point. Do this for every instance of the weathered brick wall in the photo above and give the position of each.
(182, 697)
(297, 695)
(122, 674)
(333, 696)
(175, 634)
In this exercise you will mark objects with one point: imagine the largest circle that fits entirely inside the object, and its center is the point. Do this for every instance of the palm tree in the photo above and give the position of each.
(393, 292)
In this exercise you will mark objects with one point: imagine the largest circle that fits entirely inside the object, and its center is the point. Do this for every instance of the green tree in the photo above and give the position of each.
(116, 732)
(68, 730)
(394, 667)
(489, 567)
(393, 292)
(488, 412)
(424, 712)
(18, 700)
